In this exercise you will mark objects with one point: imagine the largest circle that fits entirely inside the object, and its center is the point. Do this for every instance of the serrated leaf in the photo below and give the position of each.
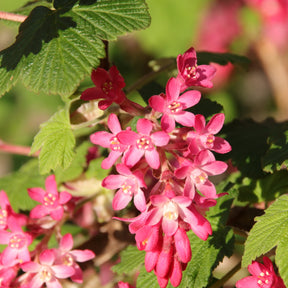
(277, 156)
(281, 258)
(55, 49)
(131, 259)
(264, 189)
(222, 59)
(77, 164)
(16, 184)
(268, 231)
(56, 141)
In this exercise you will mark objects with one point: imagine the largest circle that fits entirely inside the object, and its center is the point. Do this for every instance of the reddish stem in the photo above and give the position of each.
(15, 149)
(12, 17)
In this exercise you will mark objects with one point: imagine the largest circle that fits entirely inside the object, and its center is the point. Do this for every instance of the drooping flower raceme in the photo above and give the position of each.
(191, 74)
(51, 201)
(108, 86)
(263, 276)
(172, 106)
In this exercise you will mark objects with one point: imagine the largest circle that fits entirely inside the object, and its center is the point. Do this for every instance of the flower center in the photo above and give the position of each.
(107, 86)
(175, 107)
(17, 241)
(115, 144)
(144, 143)
(3, 217)
(68, 260)
(45, 274)
(191, 72)
(201, 178)
(127, 188)
(170, 211)
(264, 279)
(210, 140)
(49, 199)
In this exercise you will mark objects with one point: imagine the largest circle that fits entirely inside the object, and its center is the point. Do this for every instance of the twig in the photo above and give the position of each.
(15, 149)
(12, 16)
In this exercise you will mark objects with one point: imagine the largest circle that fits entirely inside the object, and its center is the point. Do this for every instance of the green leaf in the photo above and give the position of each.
(56, 141)
(16, 184)
(95, 170)
(131, 259)
(55, 49)
(268, 232)
(281, 258)
(277, 156)
(222, 59)
(77, 165)
(264, 189)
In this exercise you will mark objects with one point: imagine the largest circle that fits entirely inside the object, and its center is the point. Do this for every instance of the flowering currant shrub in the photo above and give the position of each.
(143, 184)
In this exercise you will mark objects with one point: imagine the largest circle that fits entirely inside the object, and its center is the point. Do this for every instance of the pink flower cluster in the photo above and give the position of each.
(165, 167)
(263, 276)
(39, 265)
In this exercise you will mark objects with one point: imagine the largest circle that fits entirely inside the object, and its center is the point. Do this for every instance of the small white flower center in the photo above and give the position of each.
(45, 274)
(175, 107)
(3, 217)
(201, 178)
(49, 199)
(127, 188)
(107, 86)
(68, 260)
(144, 143)
(115, 144)
(17, 241)
(170, 211)
(191, 71)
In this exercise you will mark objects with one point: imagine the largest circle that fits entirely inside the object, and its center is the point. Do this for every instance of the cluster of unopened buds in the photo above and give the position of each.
(39, 265)
(164, 164)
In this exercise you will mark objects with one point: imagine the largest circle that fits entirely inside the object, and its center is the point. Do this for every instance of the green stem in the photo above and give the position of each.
(84, 124)
(226, 277)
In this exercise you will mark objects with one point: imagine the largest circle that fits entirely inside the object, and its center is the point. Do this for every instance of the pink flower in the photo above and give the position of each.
(143, 144)
(68, 257)
(124, 285)
(108, 87)
(130, 184)
(263, 276)
(7, 275)
(7, 215)
(52, 201)
(197, 172)
(46, 272)
(172, 106)
(18, 242)
(190, 74)
(110, 140)
(203, 137)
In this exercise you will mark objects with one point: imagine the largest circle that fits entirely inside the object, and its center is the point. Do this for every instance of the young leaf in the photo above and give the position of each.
(269, 231)
(131, 259)
(281, 258)
(16, 184)
(55, 49)
(56, 141)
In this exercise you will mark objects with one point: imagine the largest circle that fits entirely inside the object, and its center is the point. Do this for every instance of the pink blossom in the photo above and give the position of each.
(143, 144)
(130, 184)
(68, 257)
(203, 137)
(110, 140)
(108, 86)
(173, 105)
(7, 215)
(18, 242)
(46, 272)
(52, 201)
(196, 173)
(124, 285)
(190, 74)
(263, 276)
(7, 275)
